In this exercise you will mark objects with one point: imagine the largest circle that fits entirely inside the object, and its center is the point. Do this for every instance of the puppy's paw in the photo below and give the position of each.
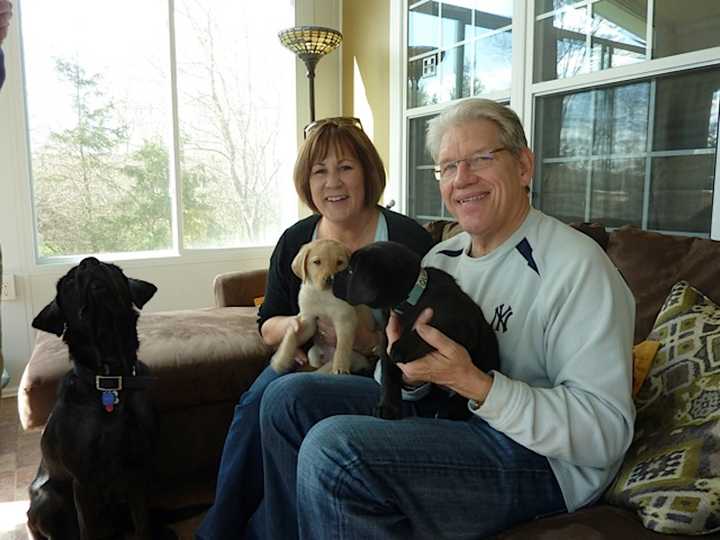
(341, 366)
(316, 356)
(340, 370)
(387, 412)
(282, 363)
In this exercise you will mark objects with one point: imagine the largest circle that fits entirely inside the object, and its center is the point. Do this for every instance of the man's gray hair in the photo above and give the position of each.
(512, 135)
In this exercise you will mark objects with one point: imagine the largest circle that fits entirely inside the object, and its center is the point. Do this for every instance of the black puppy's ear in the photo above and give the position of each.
(50, 319)
(141, 291)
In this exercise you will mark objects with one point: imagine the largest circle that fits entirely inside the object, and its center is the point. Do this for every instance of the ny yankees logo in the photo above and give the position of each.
(502, 314)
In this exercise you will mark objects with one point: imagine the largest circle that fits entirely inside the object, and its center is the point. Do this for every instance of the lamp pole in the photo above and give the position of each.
(310, 64)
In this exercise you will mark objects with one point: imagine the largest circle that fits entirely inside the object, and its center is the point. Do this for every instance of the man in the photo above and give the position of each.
(548, 432)
(5, 15)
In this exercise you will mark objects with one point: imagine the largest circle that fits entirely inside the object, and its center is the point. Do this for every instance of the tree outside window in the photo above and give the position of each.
(109, 172)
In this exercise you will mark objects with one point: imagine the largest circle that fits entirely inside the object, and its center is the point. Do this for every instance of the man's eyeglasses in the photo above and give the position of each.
(446, 172)
(336, 121)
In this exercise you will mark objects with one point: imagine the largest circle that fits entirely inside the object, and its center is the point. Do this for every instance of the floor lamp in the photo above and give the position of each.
(310, 43)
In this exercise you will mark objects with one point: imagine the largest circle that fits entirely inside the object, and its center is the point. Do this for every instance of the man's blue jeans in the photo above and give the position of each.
(240, 478)
(358, 477)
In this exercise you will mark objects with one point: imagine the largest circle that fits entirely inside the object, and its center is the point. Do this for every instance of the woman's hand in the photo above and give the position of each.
(449, 365)
(273, 331)
(295, 324)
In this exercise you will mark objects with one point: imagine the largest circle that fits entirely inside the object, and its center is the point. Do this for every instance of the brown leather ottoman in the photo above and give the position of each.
(204, 359)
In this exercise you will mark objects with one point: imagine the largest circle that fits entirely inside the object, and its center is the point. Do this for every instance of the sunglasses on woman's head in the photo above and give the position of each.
(335, 121)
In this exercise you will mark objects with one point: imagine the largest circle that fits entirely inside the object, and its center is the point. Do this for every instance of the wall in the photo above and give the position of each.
(183, 283)
(366, 68)
(329, 70)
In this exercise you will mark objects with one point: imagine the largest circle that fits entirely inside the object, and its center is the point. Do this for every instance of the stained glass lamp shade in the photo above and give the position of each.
(310, 43)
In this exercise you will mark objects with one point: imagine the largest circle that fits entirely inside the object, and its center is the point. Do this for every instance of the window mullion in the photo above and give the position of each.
(649, 33)
(715, 223)
(647, 184)
(174, 167)
(589, 163)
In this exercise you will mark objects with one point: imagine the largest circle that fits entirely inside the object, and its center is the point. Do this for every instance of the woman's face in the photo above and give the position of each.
(337, 185)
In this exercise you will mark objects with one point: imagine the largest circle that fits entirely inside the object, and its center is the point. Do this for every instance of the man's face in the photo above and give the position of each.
(491, 203)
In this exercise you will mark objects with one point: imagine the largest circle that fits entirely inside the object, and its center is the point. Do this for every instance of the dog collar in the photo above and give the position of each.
(415, 293)
(110, 386)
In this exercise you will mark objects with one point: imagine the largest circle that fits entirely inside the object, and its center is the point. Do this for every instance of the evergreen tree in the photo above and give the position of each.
(76, 178)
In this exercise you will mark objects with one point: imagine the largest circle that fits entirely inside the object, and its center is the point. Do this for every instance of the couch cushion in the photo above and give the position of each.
(671, 474)
(652, 263)
(199, 356)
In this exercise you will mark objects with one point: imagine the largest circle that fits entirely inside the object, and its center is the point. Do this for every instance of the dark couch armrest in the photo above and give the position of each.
(236, 289)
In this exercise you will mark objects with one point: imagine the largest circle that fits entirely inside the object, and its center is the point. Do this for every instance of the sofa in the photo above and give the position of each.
(206, 358)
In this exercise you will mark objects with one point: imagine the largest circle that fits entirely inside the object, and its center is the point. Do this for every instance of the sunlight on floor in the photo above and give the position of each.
(12, 514)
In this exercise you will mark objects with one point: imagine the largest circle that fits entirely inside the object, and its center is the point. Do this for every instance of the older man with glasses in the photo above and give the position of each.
(548, 430)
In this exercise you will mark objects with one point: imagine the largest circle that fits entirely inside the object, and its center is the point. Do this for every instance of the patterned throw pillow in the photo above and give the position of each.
(671, 474)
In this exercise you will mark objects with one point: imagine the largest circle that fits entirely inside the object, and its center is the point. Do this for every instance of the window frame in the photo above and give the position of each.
(19, 173)
(524, 92)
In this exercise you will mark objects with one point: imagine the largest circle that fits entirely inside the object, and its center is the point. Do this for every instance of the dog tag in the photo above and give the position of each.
(109, 399)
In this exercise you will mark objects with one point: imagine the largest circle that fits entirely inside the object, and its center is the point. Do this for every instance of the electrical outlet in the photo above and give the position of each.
(7, 288)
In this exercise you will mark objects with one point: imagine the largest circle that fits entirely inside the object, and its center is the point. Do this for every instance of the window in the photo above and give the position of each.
(641, 153)
(155, 133)
(454, 50)
(424, 196)
(579, 37)
(622, 97)
(458, 49)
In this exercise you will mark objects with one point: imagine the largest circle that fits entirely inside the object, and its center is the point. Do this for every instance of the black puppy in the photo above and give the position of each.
(98, 444)
(388, 275)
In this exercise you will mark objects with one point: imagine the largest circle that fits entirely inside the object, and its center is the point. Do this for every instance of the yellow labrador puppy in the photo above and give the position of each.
(315, 264)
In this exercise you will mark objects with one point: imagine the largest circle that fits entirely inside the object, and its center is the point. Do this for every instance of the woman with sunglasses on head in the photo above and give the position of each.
(340, 176)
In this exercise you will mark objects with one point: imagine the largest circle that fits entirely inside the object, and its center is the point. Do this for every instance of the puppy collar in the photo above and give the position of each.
(415, 293)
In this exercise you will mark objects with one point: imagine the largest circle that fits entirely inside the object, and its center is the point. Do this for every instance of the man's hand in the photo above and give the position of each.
(393, 331)
(450, 365)
(5, 16)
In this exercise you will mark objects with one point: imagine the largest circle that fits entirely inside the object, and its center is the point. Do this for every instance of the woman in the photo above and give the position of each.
(340, 176)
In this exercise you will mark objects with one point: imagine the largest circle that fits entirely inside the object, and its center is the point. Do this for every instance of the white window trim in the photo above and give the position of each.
(396, 188)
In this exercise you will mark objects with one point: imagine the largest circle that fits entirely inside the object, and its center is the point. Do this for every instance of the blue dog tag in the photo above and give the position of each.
(109, 399)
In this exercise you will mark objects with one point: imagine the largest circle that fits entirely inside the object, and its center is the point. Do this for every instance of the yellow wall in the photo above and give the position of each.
(366, 68)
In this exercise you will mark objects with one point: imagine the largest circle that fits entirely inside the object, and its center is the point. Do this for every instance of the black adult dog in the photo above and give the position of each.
(388, 275)
(98, 444)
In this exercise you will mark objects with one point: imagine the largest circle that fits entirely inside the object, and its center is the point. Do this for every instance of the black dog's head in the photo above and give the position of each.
(94, 311)
(379, 275)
